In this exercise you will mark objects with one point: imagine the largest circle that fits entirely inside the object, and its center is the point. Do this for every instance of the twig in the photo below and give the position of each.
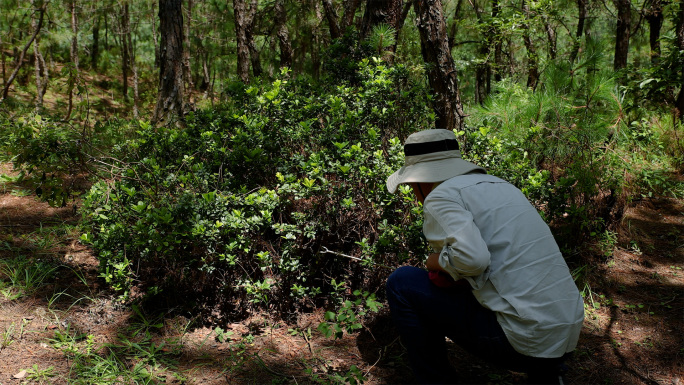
(308, 343)
(328, 251)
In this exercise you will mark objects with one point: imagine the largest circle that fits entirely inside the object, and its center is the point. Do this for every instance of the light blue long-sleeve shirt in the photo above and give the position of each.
(488, 233)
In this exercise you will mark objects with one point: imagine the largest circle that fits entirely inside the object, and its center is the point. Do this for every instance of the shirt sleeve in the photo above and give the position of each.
(451, 231)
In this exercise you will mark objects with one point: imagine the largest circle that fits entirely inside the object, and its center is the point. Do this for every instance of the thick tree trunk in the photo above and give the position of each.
(582, 17)
(246, 49)
(532, 63)
(622, 33)
(381, 12)
(331, 16)
(350, 7)
(654, 16)
(171, 96)
(239, 8)
(283, 35)
(387, 12)
(441, 68)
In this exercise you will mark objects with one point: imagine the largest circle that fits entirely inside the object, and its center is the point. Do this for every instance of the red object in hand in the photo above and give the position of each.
(444, 280)
(441, 279)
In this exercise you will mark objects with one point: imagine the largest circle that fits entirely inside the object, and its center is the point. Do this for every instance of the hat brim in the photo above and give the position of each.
(431, 172)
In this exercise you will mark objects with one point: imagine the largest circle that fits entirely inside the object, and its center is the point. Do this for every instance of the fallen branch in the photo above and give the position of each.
(328, 251)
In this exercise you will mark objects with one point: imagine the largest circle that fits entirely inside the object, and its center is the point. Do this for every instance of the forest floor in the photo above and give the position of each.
(59, 323)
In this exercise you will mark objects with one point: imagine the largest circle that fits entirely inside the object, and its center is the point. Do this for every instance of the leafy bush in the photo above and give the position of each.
(47, 153)
(240, 207)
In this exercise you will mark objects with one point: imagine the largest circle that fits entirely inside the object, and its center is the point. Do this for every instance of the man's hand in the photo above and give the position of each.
(432, 263)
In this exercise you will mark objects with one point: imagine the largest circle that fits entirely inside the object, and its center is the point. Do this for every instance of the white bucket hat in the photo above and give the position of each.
(431, 156)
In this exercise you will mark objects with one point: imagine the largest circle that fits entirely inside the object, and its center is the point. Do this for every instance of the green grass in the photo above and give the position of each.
(20, 276)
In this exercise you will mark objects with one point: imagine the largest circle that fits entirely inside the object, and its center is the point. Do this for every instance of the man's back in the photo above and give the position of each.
(527, 281)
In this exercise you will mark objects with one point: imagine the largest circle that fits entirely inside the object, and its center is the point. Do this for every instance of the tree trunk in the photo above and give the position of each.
(441, 68)
(400, 24)
(316, 44)
(254, 56)
(73, 74)
(498, 43)
(381, 12)
(39, 76)
(350, 7)
(551, 35)
(206, 78)
(387, 12)
(582, 16)
(622, 33)
(125, 50)
(95, 47)
(239, 8)
(453, 31)
(330, 15)
(41, 72)
(532, 64)
(186, 53)
(4, 60)
(246, 49)
(134, 70)
(283, 35)
(171, 96)
(155, 38)
(483, 69)
(654, 16)
(680, 26)
(680, 45)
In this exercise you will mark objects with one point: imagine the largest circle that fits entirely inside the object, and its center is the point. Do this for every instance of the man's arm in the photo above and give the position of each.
(450, 227)
(432, 263)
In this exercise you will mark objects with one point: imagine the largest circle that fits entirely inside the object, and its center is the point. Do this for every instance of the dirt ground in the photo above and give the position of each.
(633, 332)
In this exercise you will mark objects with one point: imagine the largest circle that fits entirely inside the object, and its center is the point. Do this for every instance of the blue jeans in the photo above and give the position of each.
(425, 314)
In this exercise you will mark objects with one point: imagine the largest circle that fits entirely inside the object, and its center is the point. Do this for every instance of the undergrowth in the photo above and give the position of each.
(275, 200)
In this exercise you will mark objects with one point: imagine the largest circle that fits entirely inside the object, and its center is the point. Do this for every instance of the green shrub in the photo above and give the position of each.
(47, 153)
(237, 208)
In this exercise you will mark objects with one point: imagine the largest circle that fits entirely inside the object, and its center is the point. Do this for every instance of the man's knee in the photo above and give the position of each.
(404, 277)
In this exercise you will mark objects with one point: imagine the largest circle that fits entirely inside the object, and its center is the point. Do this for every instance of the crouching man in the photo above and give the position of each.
(496, 284)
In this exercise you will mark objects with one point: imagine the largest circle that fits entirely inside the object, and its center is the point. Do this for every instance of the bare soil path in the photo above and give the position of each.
(633, 333)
